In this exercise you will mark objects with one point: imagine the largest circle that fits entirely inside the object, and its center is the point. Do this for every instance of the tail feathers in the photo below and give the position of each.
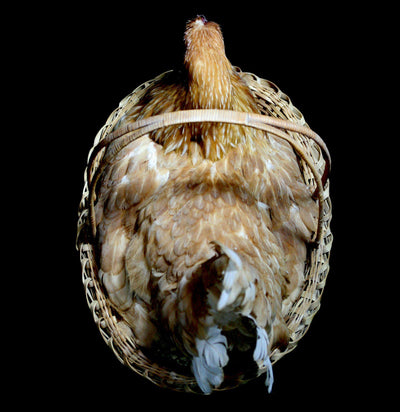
(261, 357)
(211, 358)
(231, 291)
(238, 287)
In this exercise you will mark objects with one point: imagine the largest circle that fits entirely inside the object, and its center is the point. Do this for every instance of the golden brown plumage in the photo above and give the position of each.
(207, 81)
(203, 228)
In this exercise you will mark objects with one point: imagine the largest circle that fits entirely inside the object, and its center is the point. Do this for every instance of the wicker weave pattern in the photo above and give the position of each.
(274, 103)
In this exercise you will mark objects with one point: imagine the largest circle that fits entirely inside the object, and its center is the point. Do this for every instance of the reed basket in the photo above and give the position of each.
(278, 117)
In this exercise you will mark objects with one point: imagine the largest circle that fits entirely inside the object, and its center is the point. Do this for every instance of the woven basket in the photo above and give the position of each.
(279, 117)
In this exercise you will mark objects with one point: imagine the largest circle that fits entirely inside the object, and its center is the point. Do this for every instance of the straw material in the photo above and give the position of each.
(280, 118)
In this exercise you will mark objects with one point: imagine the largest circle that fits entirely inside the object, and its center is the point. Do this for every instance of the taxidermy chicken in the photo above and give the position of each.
(202, 229)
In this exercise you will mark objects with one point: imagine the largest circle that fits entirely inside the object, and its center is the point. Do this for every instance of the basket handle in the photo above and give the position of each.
(126, 134)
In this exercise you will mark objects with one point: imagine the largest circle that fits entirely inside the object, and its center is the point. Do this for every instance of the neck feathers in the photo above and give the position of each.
(209, 81)
(208, 69)
(212, 83)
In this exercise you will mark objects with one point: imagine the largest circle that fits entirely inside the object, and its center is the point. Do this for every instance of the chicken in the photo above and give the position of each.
(202, 229)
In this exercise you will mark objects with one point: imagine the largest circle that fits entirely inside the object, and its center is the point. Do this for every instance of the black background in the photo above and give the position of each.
(81, 61)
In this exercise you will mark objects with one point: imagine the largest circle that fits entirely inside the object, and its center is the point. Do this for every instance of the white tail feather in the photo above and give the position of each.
(212, 357)
(238, 287)
(261, 356)
(236, 300)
